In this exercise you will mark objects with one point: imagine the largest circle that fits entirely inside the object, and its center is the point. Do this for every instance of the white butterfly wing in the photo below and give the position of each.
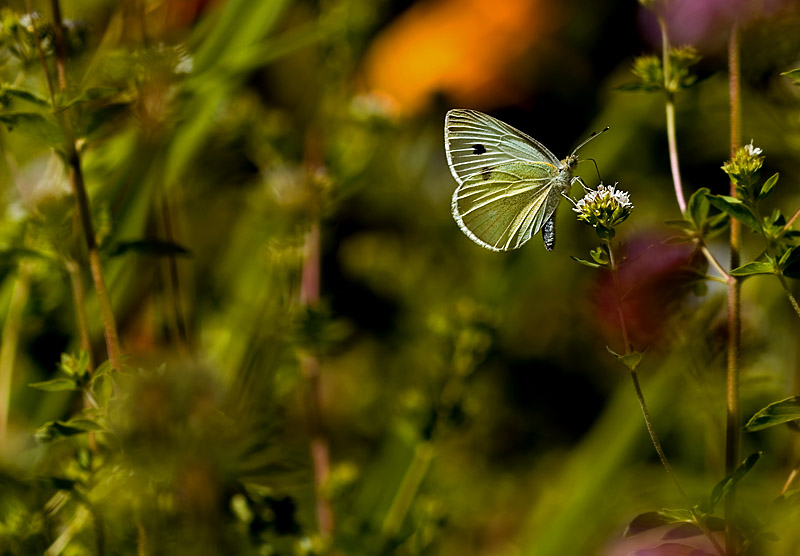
(502, 208)
(475, 141)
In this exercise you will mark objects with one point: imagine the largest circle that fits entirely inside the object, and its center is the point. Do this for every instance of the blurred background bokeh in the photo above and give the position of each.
(466, 397)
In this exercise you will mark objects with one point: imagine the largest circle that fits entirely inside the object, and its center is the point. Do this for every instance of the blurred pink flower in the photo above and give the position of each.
(655, 279)
(705, 23)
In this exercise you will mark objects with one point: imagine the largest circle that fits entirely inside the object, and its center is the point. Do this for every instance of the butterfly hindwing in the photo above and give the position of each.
(502, 208)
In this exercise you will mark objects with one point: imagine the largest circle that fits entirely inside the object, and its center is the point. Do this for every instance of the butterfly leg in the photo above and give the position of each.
(580, 181)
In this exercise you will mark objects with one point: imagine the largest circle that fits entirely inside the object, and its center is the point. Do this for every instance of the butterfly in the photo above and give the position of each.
(509, 184)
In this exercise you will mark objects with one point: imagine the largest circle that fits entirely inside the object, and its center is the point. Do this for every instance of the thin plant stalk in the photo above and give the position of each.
(319, 446)
(670, 113)
(643, 405)
(714, 262)
(79, 301)
(79, 188)
(733, 418)
(407, 491)
(10, 343)
(790, 479)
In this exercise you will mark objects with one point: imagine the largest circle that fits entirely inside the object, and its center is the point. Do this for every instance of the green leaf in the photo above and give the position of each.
(638, 87)
(752, 268)
(697, 208)
(651, 520)
(775, 413)
(630, 360)
(34, 125)
(56, 385)
(59, 483)
(766, 189)
(13, 254)
(25, 94)
(681, 224)
(600, 256)
(71, 365)
(58, 430)
(155, 247)
(722, 488)
(716, 225)
(92, 93)
(103, 117)
(735, 208)
(793, 75)
(790, 262)
(585, 262)
(645, 522)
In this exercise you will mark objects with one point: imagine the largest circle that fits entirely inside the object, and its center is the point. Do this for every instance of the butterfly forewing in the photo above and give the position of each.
(476, 142)
(502, 208)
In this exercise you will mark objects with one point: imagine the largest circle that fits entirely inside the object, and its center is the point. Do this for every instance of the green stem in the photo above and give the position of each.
(79, 300)
(407, 491)
(670, 113)
(715, 263)
(79, 191)
(319, 446)
(10, 343)
(643, 405)
(732, 420)
(792, 476)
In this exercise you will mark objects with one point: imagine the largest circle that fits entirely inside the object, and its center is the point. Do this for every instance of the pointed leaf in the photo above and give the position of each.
(790, 263)
(155, 247)
(722, 488)
(630, 360)
(698, 206)
(752, 268)
(735, 208)
(585, 262)
(645, 522)
(681, 224)
(774, 414)
(12, 254)
(56, 385)
(58, 430)
(793, 75)
(25, 94)
(35, 125)
(766, 189)
(599, 255)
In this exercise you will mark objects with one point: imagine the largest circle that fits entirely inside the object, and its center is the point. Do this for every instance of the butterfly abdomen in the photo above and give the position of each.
(549, 233)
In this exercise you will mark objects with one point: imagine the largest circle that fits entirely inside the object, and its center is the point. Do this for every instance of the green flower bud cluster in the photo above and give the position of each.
(744, 169)
(604, 209)
(650, 71)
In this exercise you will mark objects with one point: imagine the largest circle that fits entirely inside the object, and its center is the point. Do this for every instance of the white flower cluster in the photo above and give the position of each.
(604, 194)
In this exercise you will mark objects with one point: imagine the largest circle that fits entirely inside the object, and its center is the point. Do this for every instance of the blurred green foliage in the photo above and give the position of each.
(467, 397)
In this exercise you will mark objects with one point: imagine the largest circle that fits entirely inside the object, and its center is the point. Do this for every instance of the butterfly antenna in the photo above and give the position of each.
(592, 136)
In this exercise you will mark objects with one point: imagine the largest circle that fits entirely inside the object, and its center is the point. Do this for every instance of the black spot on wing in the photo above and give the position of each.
(478, 149)
(486, 173)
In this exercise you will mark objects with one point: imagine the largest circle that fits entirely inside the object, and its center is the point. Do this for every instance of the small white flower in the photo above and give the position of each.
(751, 150)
